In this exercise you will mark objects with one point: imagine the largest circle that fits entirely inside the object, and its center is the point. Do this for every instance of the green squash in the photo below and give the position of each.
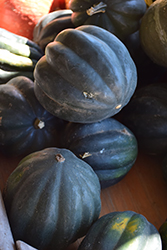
(50, 25)
(118, 17)
(18, 56)
(153, 32)
(163, 234)
(125, 230)
(86, 75)
(147, 71)
(52, 198)
(108, 147)
(146, 116)
(25, 125)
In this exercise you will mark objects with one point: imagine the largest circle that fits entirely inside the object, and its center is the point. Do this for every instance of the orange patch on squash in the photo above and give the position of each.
(21, 16)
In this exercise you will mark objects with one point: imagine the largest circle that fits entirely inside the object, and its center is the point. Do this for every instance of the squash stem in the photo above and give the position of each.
(60, 158)
(38, 124)
(100, 7)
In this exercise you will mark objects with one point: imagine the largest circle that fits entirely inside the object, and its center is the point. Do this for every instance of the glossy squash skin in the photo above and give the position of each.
(86, 75)
(163, 234)
(108, 147)
(25, 125)
(146, 117)
(50, 25)
(118, 17)
(153, 32)
(123, 230)
(52, 198)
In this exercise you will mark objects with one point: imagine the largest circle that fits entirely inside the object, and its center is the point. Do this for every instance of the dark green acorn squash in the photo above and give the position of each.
(86, 75)
(50, 25)
(147, 71)
(108, 147)
(52, 198)
(25, 125)
(146, 116)
(163, 234)
(44, 20)
(125, 230)
(118, 17)
(153, 32)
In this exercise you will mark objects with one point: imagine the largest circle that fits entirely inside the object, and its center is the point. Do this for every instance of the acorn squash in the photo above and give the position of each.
(118, 17)
(125, 230)
(153, 32)
(50, 25)
(86, 75)
(147, 70)
(25, 125)
(108, 147)
(52, 198)
(146, 116)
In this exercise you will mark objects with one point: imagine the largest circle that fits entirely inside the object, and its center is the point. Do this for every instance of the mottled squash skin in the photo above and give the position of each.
(125, 230)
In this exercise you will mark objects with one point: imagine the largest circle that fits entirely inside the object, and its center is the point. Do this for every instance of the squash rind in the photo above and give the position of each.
(122, 230)
(85, 83)
(51, 203)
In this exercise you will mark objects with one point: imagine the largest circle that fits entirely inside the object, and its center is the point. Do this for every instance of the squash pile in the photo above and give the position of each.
(79, 121)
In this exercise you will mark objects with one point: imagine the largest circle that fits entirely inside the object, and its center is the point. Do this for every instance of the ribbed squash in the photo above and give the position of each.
(108, 147)
(147, 70)
(153, 32)
(50, 25)
(118, 17)
(25, 125)
(125, 230)
(146, 117)
(86, 75)
(52, 198)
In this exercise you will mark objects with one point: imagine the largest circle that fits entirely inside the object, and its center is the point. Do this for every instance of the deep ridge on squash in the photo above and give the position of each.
(52, 198)
(86, 75)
